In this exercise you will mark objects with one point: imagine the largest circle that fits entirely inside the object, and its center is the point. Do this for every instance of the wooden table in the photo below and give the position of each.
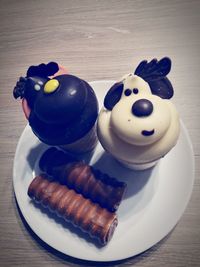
(97, 40)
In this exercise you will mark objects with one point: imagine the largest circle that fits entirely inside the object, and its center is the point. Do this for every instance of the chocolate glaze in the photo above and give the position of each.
(80, 120)
(65, 104)
(99, 223)
(93, 184)
(60, 117)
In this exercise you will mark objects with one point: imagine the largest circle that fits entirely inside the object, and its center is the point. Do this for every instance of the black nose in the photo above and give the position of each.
(142, 108)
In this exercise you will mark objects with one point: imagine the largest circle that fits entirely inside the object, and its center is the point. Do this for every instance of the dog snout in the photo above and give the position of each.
(142, 108)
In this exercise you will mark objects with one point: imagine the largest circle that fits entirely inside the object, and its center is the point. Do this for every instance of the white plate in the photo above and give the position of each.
(153, 204)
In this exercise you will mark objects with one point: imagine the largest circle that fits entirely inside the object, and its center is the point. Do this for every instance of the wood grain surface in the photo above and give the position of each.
(97, 40)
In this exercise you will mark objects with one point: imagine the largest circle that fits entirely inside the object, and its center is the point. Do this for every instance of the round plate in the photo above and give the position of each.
(153, 203)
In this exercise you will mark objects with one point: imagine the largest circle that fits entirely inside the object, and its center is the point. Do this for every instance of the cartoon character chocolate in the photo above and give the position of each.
(63, 109)
(139, 124)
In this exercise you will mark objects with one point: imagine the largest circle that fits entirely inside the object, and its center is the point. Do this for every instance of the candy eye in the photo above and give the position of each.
(127, 92)
(135, 91)
(51, 86)
(37, 87)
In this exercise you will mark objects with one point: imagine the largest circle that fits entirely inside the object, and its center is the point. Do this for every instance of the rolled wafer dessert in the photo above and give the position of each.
(84, 179)
(98, 222)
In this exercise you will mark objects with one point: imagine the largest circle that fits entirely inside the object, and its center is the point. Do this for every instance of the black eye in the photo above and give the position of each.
(135, 91)
(127, 92)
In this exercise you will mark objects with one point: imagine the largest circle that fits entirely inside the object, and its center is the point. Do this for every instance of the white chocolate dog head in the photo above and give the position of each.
(139, 123)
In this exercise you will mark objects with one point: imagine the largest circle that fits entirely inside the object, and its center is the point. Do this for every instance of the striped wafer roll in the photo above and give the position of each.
(89, 217)
(99, 187)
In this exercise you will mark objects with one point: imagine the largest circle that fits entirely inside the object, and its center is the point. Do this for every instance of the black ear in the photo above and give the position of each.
(162, 88)
(155, 73)
(113, 95)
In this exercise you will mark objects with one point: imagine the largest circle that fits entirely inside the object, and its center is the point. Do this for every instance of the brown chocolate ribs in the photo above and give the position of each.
(98, 222)
(93, 184)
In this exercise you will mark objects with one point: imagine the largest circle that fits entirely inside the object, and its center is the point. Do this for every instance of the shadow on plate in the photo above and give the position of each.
(35, 154)
(135, 180)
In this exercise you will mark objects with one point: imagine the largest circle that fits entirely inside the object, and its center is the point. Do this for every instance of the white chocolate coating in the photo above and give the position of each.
(120, 132)
(129, 127)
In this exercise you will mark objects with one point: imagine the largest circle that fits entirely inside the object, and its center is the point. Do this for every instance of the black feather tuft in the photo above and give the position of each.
(19, 89)
(43, 70)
